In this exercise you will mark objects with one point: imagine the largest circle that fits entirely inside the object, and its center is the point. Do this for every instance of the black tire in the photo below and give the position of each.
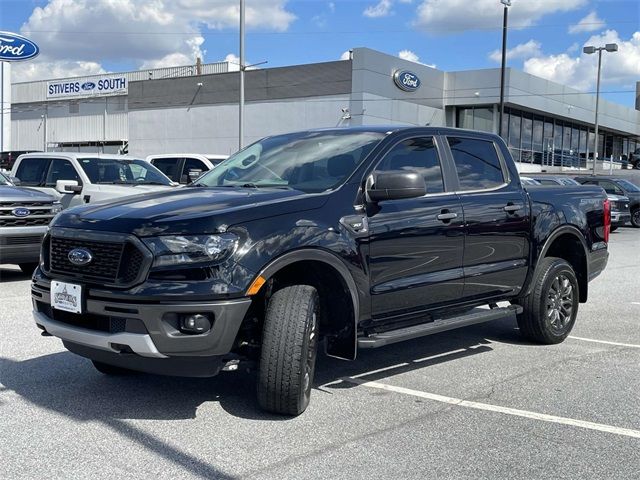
(107, 369)
(550, 311)
(28, 268)
(613, 229)
(635, 218)
(289, 348)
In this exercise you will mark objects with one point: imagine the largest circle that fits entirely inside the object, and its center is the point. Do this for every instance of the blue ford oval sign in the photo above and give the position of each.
(406, 80)
(14, 47)
(88, 86)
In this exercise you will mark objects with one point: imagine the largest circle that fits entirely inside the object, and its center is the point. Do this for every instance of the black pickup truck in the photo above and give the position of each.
(346, 238)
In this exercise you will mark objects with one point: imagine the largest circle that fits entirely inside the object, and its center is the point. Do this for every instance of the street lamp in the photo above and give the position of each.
(241, 87)
(609, 47)
(507, 4)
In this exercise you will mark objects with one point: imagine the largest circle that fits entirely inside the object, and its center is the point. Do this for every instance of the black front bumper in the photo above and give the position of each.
(143, 336)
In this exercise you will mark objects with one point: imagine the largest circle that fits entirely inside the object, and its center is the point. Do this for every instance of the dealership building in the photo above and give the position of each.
(195, 109)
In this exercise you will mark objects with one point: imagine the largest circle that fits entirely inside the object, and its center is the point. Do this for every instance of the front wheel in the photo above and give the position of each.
(635, 218)
(613, 229)
(289, 347)
(550, 310)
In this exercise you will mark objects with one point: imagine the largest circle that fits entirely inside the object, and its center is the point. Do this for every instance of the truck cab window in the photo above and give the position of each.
(60, 169)
(417, 154)
(477, 163)
(31, 171)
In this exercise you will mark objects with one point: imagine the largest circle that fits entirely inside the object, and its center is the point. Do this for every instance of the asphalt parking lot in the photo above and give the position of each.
(473, 403)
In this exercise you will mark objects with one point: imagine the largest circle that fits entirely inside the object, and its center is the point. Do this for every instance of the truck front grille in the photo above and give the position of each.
(39, 214)
(112, 262)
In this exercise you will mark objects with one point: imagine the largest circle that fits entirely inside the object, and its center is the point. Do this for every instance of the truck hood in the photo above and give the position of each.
(187, 211)
(9, 193)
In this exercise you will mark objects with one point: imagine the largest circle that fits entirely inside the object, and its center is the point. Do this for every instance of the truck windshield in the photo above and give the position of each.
(306, 161)
(122, 172)
(4, 180)
(628, 186)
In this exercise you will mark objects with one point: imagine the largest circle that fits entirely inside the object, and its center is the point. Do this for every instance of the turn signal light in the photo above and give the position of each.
(256, 285)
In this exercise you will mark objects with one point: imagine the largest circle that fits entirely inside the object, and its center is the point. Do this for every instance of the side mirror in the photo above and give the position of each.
(395, 185)
(15, 180)
(68, 186)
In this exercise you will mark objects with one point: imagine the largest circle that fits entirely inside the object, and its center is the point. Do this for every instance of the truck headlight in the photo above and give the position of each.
(179, 250)
(56, 208)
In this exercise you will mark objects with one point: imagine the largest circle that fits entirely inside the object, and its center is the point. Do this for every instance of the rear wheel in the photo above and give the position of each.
(107, 369)
(635, 218)
(289, 347)
(613, 229)
(550, 310)
(28, 267)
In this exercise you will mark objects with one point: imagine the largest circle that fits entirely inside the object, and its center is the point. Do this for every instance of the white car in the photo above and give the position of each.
(77, 178)
(185, 167)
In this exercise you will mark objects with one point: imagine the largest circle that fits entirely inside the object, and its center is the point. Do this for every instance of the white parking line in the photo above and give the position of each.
(635, 303)
(627, 432)
(606, 342)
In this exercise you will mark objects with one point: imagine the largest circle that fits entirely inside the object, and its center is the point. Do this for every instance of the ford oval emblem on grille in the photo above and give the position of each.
(21, 212)
(80, 256)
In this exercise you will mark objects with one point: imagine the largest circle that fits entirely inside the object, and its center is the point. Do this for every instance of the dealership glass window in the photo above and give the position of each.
(483, 119)
(591, 144)
(557, 137)
(465, 118)
(600, 145)
(514, 129)
(548, 129)
(527, 131)
(538, 126)
(566, 139)
(582, 144)
(505, 125)
(477, 163)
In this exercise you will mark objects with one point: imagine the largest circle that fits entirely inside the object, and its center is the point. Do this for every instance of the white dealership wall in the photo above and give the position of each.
(5, 106)
(214, 128)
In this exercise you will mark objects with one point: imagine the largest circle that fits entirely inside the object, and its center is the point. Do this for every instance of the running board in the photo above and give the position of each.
(477, 315)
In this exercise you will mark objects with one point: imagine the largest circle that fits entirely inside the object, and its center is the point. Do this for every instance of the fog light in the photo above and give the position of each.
(195, 323)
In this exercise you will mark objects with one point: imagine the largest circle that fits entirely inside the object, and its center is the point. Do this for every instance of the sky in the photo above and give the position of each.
(81, 37)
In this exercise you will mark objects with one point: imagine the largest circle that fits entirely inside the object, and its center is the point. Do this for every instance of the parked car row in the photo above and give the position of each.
(624, 196)
(40, 184)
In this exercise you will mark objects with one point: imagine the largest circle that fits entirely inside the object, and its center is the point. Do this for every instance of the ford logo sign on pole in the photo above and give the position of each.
(80, 256)
(406, 80)
(14, 47)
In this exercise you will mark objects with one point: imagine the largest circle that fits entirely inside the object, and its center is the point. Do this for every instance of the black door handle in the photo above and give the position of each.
(511, 207)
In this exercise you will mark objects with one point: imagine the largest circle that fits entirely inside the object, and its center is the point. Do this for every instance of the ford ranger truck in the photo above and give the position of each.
(345, 239)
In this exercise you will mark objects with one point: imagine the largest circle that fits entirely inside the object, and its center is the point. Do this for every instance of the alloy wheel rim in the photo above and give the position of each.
(636, 217)
(560, 303)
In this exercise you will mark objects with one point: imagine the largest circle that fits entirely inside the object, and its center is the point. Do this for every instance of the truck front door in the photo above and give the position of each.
(416, 245)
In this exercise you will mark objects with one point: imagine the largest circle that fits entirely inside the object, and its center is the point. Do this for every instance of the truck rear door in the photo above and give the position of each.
(496, 218)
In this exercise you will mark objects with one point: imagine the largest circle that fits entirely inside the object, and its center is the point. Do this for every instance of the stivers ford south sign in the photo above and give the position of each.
(406, 80)
(14, 47)
(87, 87)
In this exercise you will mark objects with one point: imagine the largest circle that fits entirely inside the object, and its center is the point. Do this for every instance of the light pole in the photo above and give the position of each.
(241, 102)
(609, 47)
(503, 69)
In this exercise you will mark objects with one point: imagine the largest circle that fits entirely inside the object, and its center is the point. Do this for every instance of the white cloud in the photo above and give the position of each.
(445, 16)
(412, 57)
(346, 55)
(523, 50)
(380, 9)
(28, 71)
(590, 23)
(620, 68)
(145, 33)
